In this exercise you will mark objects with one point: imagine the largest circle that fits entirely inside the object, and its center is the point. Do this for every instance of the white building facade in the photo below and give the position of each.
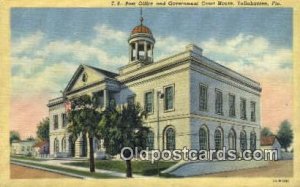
(191, 100)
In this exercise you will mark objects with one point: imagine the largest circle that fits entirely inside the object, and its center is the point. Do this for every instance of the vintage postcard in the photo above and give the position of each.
(164, 93)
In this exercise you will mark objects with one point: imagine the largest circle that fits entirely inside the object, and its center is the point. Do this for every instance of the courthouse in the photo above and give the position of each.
(191, 100)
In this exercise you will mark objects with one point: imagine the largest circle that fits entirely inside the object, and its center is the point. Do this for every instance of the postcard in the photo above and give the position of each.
(164, 93)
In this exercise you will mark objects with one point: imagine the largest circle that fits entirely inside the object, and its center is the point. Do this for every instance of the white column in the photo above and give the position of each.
(105, 97)
(130, 52)
(78, 146)
(145, 51)
(151, 52)
(136, 50)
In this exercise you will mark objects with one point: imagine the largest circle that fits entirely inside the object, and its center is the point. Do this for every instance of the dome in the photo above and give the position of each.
(141, 29)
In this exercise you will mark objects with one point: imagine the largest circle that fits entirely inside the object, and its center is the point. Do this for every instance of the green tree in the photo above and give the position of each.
(30, 138)
(43, 130)
(84, 119)
(265, 132)
(123, 127)
(14, 136)
(285, 134)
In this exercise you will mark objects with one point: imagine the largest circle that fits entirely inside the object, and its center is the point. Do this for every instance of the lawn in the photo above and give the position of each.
(138, 167)
(83, 173)
(28, 158)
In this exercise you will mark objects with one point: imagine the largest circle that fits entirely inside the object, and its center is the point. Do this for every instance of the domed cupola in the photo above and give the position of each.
(141, 44)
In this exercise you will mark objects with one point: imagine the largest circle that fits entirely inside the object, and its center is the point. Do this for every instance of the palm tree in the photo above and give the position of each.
(123, 127)
(84, 119)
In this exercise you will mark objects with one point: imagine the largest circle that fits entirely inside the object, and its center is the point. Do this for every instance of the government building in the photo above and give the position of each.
(191, 100)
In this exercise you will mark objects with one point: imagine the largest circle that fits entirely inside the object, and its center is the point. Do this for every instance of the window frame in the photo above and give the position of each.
(243, 142)
(173, 105)
(234, 105)
(221, 138)
(150, 144)
(206, 130)
(253, 119)
(253, 135)
(55, 121)
(245, 112)
(133, 96)
(166, 140)
(222, 102)
(205, 109)
(145, 103)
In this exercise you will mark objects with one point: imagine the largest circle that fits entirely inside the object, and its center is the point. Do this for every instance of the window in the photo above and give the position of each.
(219, 102)
(150, 140)
(253, 141)
(203, 138)
(56, 145)
(243, 109)
(55, 121)
(64, 119)
(218, 139)
(203, 98)
(149, 102)
(98, 98)
(170, 139)
(23, 148)
(253, 115)
(243, 140)
(169, 98)
(231, 105)
(64, 145)
(232, 140)
(131, 100)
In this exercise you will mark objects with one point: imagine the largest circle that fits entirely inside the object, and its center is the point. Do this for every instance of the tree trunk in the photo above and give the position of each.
(92, 160)
(128, 169)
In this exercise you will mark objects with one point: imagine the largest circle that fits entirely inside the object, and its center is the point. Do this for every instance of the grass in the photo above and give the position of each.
(83, 173)
(28, 158)
(138, 167)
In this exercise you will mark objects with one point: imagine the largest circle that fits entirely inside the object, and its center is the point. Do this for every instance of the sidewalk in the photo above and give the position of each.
(61, 163)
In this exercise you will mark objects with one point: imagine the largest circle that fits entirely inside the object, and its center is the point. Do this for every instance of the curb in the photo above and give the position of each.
(49, 170)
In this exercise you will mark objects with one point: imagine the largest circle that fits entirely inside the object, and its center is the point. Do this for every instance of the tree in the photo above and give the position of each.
(84, 119)
(14, 136)
(123, 127)
(266, 132)
(43, 130)
(285, 134)
(30, 138)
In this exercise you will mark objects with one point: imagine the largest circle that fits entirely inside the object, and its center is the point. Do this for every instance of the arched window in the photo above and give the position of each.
(243, 140)
(232, 140)
(150, 140)
(253, 141)
(218, 139)
(56, 145)
(203, 138)
(170, 138)
(64, 144)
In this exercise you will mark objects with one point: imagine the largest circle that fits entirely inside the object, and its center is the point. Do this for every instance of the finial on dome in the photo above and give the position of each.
(141, 19)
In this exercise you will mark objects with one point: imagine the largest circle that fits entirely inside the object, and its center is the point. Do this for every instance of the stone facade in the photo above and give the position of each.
(173, 86)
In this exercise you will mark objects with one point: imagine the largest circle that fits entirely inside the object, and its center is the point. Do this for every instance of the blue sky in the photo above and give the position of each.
(49, 44)
(192, 24)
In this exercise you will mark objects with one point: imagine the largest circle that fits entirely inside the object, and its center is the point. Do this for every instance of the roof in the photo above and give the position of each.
(141, 29)
(267, 140)
(105, 72)
(40, 144)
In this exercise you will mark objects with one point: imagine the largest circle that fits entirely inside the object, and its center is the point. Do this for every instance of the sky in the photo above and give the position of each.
(47, 46)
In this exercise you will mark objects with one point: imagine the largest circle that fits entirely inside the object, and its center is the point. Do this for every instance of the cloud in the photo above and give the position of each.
(26, 43)
(251, 55)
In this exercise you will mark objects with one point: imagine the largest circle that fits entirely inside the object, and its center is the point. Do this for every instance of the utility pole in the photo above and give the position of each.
(158, 96)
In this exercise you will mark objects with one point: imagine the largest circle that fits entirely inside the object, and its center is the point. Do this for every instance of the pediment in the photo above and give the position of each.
(87, 75)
